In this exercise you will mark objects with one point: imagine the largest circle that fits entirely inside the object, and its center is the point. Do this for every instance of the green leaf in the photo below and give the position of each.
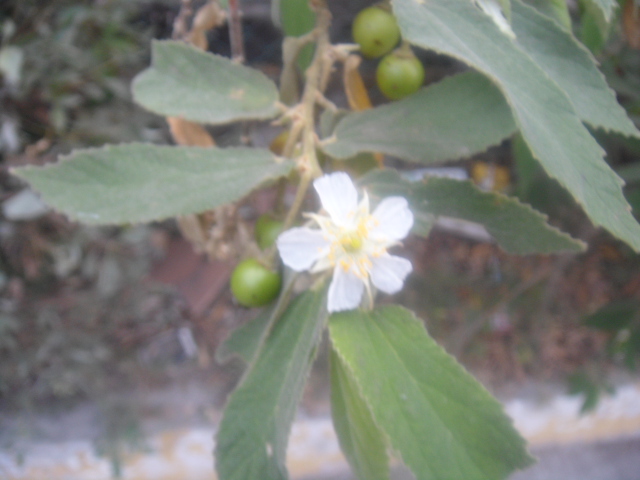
(245, 340)
(141, 182)
(572, 67)
(186, 82)
(252, 438)
(630, 172)
(591, 34)
(542, 111)
(358, 165)
(614, 316)
(558, 10)
(534, 186)
(580, 383)
(605, 7)
(594, 22)
(633, 196)
(526, 167)
(516, 227)
(361, 440)
(455, 118)
(442, 423)
(631, 349)
(297, 19)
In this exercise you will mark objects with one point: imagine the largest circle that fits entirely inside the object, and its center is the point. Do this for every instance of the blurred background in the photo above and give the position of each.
(108, 335)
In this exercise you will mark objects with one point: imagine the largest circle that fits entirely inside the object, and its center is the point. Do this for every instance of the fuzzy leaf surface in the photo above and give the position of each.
(541, 109)
(360, 439)
(297, 18)
(606, 7)
(142, 182)
(186, 82)
(572, 67)
(245, 340)
(252, 438)
(515, 226)
(557, 10)
(439, 419)
(455, 118)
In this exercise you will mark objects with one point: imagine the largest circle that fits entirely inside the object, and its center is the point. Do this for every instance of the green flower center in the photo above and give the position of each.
(351, 242)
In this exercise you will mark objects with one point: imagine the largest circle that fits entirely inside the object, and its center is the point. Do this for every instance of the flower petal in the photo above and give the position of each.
(345, 291)
(338, 196)
(301, 247)
(388, 272)
(393, 219)
(324, 263)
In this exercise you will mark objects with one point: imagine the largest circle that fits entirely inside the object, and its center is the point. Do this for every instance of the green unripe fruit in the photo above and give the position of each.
(267, 230)
(399, 74)
(253, 284)
(376, 31)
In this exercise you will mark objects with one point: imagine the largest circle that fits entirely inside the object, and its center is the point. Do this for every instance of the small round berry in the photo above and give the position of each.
(376, 31)
(253, 284)
(399, 74)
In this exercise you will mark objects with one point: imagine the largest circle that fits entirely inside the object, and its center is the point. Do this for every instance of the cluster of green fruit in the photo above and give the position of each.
(399, 73)
(376, 31)
(253, 283)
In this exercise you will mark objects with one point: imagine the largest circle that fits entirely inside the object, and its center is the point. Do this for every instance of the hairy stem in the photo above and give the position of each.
(303, 115)
(304, 122)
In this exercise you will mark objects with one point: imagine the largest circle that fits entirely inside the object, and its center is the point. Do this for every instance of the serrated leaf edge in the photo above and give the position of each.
(581, 246)
(411, 188)
(321, 325)
(62, 159)
(628, 238)
(381, 108)
(592, 59)
(349, 370)
(266, 115)
(487, 398)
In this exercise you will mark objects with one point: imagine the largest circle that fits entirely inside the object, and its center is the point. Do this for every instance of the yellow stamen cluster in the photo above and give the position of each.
(346, 249)
(351, 242)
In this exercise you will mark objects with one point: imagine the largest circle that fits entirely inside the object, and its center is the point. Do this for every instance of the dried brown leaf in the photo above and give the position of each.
(189, 133)
(354, 86)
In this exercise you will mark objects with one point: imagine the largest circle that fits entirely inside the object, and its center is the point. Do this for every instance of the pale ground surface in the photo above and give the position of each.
(604, 445)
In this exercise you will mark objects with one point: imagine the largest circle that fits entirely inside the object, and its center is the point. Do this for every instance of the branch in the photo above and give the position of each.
(235, 32)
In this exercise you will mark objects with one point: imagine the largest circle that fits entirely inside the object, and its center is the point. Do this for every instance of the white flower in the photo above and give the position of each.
(351, 241)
